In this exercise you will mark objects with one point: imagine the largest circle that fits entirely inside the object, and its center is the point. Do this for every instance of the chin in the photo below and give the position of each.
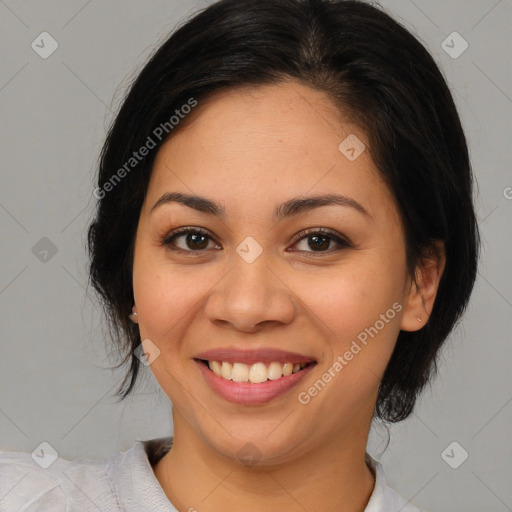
(254, 446)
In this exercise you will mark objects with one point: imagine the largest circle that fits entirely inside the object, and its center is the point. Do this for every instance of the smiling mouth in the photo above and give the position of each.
(254, 373)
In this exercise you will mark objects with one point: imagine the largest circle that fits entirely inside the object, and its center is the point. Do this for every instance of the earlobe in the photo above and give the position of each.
(133, 315)
(423, 290)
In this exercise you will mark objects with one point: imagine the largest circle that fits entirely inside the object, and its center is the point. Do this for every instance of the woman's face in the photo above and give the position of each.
(249, 288)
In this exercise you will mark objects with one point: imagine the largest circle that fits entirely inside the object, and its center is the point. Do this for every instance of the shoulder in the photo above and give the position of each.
(385, 498)
(44, 482)
(40, 482)
(21, 478)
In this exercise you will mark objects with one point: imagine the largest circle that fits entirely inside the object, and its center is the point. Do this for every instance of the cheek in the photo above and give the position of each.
(357, 307)
(349, 298)
(165, 295)
(164, 302)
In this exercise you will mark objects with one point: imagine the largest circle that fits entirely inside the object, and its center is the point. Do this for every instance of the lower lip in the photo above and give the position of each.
(246, 393)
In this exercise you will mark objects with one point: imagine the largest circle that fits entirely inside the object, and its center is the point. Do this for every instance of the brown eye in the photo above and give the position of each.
(194, 239)
(319, 240)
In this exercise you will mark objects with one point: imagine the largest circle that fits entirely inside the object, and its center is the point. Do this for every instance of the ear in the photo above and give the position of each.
(133, 316)
(422, 291)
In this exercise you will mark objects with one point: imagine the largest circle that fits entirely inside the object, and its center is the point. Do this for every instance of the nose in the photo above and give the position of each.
(251, 296)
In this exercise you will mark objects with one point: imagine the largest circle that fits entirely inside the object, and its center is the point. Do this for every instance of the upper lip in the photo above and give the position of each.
(252, 356)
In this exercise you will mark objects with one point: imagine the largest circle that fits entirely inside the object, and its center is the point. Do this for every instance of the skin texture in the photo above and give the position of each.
(250, 150)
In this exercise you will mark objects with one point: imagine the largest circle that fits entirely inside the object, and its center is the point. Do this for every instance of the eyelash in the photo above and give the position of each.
(333, 235)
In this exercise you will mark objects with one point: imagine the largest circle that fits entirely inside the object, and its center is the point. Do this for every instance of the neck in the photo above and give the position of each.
(330, 476)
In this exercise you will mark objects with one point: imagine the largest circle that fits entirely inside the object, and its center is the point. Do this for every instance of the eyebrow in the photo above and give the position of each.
(289, 208)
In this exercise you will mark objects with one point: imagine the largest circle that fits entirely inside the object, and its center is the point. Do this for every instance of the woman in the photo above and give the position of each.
(285, 234)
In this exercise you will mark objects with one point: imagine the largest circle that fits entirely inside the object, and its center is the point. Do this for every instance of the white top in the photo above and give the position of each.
(125, 482)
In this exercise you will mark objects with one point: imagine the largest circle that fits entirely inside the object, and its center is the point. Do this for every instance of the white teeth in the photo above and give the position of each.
(240, 372)
(275, 370)
(287, 369)
(215, 367)
(226, 370)
(256, 373)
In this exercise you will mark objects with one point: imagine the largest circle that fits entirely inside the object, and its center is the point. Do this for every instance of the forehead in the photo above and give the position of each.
(267, 143)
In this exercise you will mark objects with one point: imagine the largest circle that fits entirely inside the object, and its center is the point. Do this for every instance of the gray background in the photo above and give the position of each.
(55, 381)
